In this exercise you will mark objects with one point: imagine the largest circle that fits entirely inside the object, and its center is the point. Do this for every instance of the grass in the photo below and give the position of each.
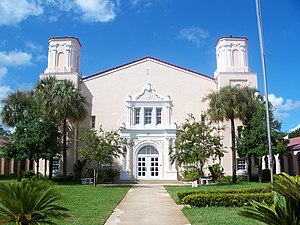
(88, 204)
(215, 215)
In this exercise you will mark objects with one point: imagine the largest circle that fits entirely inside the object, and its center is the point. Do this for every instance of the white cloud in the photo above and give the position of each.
(194, 34)
(295, 128)
(280, 105)
(97, 10)
(15, 58)
(34, 46)
(4, 90)
(282, 108)
(14, 11)
(3, 72)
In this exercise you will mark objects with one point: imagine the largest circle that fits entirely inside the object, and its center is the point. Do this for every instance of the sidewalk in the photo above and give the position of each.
(150, 205)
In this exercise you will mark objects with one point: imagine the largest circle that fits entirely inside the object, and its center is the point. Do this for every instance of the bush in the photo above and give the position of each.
(216, 172)
(182, 195)
(28, 174)
(226, 199)
(190, 174)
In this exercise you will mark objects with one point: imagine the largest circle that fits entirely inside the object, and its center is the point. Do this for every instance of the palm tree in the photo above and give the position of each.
(286, 207)
(229, 103)
(66, 104)
(15, 109)
(30, 202)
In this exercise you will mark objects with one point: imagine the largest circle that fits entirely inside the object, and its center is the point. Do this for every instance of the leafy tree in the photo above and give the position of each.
(195, 144)
(15, 109)
(230, 103)
(295, 133)
(100, 147)
(286, 207)
(252, 140)
(216, 171)
(62, 100)
(30, 202)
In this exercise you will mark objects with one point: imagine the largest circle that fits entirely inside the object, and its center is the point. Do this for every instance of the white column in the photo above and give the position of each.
(168, 114)
(67, 62)
(229, 57)
(122, 158)
(129, 109)
(128, 159)
(153, 122)
(73, 58)
(277, 163)
(54, 51)
(142, 117)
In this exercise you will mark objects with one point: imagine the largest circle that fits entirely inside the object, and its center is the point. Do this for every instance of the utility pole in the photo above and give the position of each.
(265, 87)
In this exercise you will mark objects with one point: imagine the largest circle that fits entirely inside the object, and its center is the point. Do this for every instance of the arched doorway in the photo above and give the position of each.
(148, 163)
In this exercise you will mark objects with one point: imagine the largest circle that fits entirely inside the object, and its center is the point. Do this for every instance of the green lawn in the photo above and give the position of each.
(89, 205)
(215, 215)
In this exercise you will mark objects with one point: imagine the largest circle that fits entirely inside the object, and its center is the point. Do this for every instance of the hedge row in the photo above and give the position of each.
(181, 195)
(226, 200)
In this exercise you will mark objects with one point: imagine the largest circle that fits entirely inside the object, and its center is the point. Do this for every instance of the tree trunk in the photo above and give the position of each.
(259, 169)
(45, 168)
(233, 150)
(65, 150)
(37, 166)
(19, 172)
(51, 168)
(249, 168)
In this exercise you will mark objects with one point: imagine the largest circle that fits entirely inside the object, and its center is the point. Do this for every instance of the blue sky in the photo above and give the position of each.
(183, 32)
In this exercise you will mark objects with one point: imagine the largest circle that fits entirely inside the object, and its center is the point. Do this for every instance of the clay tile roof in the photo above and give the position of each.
(294, 143)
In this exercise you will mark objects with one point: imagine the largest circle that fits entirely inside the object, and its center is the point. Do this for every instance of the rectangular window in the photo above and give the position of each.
(203, 118)
(55, 165)
(158, 115)
(148, 115)
(93, 123)
(241, 164)
(137, 115)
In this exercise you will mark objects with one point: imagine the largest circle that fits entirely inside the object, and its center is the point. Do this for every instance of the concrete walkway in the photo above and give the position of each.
(151, 205)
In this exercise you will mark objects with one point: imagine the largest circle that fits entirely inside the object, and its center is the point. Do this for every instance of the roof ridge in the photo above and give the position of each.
(144, 58)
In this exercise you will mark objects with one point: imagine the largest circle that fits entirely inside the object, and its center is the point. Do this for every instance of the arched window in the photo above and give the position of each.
(236, 58)
(148, 150)
(60, 59)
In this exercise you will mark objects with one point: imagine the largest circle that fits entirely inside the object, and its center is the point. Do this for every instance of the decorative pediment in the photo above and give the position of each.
(149, 93)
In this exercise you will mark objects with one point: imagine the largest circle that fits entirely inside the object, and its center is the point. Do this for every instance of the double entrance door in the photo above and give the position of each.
(148, 167)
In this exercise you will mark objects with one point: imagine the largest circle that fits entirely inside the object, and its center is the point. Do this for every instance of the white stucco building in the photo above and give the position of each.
(148, 97)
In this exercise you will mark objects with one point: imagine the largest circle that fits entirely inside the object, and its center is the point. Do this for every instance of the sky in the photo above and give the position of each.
(182, 32)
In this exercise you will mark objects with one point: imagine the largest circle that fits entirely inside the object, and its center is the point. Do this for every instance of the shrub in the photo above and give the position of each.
(30, 202)
(225, 199)
(265, 175)
(190, 174)
(216, 172)
(28, 174)
(182, 195)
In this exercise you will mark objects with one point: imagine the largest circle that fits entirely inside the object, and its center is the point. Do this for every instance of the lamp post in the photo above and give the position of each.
(265, 87)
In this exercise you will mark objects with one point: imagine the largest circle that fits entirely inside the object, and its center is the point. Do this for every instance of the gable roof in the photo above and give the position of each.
(294, 143)
(145, 59)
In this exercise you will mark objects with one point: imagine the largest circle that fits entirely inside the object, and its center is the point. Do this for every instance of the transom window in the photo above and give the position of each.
(148, 150)
(148, 115)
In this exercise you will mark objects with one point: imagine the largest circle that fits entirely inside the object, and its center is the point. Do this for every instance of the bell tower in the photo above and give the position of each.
(64, 59)
(232, 63)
